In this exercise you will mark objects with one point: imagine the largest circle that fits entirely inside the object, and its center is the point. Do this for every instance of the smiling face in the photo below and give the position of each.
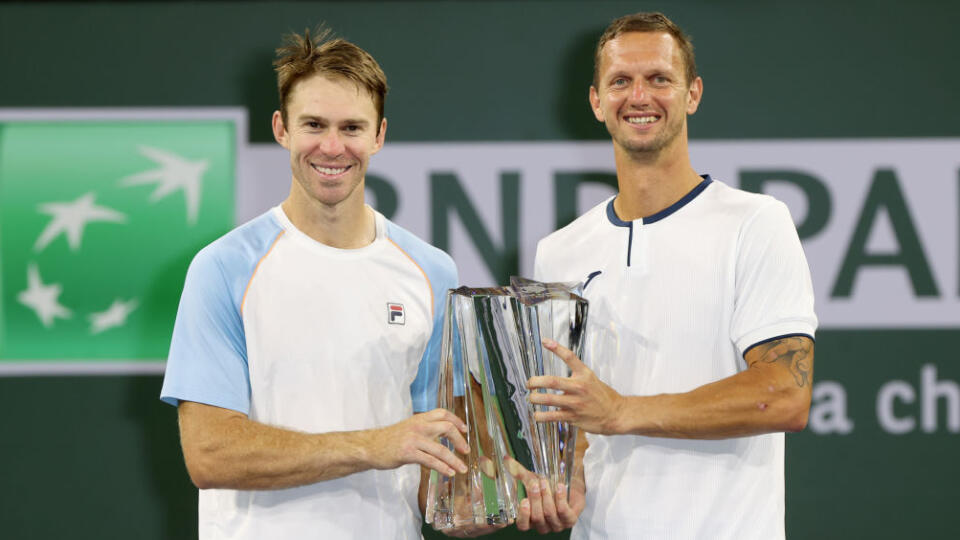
(642, 94)
(331, 132)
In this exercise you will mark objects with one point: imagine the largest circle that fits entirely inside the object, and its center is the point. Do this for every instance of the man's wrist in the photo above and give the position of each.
(357, 449)
(364, 446)
(629, 416)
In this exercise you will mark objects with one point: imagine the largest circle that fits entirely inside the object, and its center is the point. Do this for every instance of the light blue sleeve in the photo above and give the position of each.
(424, 387)
(442, 274)
(207, 362)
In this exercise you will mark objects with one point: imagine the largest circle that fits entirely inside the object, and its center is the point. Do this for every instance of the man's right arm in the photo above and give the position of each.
(224, 449)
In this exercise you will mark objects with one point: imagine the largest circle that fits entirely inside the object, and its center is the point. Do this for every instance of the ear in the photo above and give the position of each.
(279, 130)
(694, 94)
(381, 135)
(595, 103)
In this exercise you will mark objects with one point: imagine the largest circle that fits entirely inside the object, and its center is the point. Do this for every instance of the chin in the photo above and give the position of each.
(651, 146)
(655, 144)
(332, 197)
(329, 200)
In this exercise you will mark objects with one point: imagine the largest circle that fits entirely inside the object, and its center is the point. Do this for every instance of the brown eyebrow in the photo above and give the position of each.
(310, 118)
(320, 119)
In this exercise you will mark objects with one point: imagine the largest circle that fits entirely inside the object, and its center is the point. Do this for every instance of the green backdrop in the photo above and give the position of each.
(98, 457)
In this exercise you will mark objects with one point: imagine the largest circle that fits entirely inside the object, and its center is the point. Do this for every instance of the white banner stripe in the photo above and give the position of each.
(883, 241)
(33, 368)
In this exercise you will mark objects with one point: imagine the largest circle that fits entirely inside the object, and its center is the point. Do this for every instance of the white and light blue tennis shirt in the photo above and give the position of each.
(676, 300)
(297, 334)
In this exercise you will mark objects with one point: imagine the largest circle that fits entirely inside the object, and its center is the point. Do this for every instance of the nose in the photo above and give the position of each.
(330, 144)
(637, 90)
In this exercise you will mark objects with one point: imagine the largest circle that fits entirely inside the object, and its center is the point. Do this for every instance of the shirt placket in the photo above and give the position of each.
(637, 251)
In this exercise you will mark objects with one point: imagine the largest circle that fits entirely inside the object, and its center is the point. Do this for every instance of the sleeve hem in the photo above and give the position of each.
(778, 331)
(174, 398)
(776, 338)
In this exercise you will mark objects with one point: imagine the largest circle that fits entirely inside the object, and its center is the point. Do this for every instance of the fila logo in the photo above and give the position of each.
(395, 314)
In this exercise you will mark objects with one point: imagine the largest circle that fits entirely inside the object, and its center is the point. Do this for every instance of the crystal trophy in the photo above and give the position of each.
(491, 346)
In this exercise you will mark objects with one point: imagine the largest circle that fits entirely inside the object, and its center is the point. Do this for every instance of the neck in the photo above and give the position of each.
(651, 181)
(349, 224)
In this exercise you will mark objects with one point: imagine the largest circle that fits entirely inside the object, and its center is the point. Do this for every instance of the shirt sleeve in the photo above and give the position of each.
(208, 358)
(442, 274)
(774, 292)
(538, 262)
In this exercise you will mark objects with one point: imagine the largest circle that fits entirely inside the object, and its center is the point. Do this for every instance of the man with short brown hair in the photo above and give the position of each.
(700, 338)
(307, 337)
(304, 56)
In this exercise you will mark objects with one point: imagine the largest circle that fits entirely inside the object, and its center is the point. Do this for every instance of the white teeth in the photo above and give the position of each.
(642, 119)
(328, 170)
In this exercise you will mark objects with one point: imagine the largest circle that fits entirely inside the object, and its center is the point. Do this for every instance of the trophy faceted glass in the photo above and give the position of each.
(491, 346)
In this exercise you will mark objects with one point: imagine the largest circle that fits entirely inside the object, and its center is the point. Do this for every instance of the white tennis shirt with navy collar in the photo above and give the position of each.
(300, 335)
(676, 300)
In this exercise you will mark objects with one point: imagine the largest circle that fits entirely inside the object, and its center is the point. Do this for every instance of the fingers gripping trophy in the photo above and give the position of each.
(492, 344)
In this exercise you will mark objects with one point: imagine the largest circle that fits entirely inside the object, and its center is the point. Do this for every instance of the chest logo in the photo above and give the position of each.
(590, 278)
(395, 313)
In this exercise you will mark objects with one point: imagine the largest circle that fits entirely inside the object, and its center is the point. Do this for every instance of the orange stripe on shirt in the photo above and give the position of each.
(257, 267)
(429, 285)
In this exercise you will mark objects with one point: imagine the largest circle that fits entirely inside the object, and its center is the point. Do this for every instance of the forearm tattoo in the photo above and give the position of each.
(795, 353)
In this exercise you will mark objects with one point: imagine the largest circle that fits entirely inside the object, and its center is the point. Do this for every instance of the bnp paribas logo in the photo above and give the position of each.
(99, 219)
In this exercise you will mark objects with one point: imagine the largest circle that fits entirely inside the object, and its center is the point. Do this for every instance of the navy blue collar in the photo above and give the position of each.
(612, 214)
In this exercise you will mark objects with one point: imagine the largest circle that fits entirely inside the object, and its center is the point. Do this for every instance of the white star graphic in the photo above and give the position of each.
(43, 299)
(115, 315)
(174, 173)
(71, 218)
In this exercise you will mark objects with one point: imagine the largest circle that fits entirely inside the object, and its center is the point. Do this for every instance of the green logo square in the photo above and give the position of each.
(99, 220)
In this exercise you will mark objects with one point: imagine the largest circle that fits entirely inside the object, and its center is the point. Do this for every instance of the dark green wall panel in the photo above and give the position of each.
(504, 70)
(91, 457)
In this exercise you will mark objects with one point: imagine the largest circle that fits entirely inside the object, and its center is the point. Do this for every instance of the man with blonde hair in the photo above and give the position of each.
(701, 326)
(307, 337)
